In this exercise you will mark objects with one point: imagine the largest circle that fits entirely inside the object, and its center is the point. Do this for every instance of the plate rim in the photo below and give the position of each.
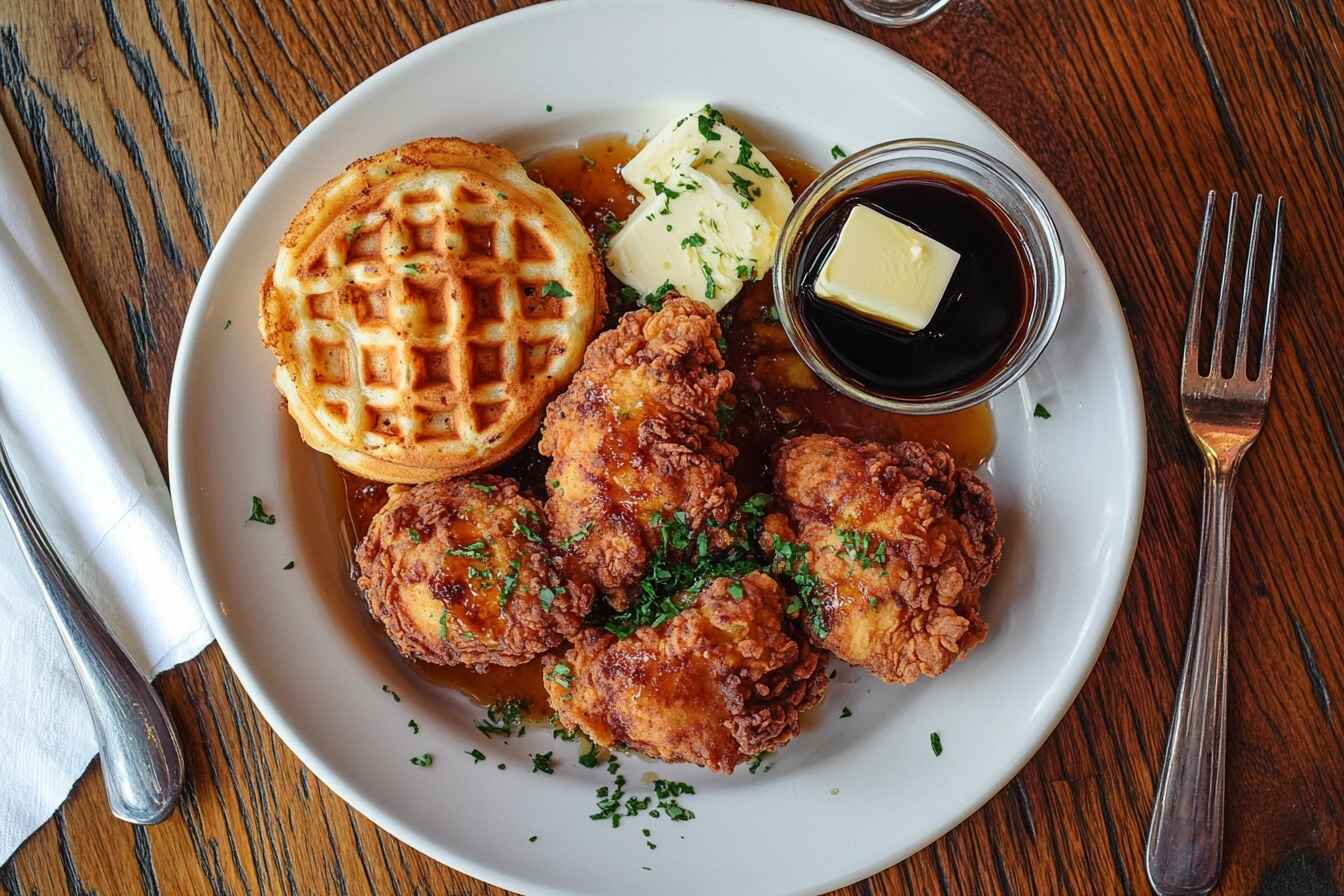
(1095, 635)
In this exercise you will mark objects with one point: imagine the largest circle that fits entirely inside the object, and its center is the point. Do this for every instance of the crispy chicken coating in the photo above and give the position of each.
(898, 542)
(723, 681)
(634, 439)
(459, 573)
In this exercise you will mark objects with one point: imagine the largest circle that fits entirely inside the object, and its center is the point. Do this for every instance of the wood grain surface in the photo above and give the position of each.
(143, 123)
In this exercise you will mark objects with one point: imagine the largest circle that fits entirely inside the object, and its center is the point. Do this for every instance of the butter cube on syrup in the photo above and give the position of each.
(885, 270)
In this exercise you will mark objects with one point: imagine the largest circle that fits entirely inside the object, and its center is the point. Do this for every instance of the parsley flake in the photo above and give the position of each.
(503, 717)
(414, 726)
(575, 537)
(837, 152)
(693, 241)
(483, 487)
(289, 565)
(541, 762)
(412, 268)
(555, 290)
(259, 514)
(588, 759)
(474, 551)
(744, 159)
(476, 755)
(424, 760)
(393, 694)
(936, 743)
(1041, 412)
(561, 674)
(845, 713)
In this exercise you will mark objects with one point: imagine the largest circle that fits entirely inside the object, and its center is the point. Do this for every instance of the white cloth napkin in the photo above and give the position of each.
(93, 482)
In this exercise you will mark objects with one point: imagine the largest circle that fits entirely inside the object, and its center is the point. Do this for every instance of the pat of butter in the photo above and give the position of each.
(887, 270)
(696, 235)
(704, 142)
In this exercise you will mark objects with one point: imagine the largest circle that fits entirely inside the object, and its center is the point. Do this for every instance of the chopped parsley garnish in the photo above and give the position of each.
(562, 734)
(414, 726)
(501, 195)
(724, 413)
(475, 550)
(667, 793)
(483, 487)
(259, 514)
(575, 537)
(791, 563)
(228, 323)
(837, 152)
(746, 272)
(711, 288)
(415, 536)
(532, 535)
(354, 230)
(744, 188)
(735, 590)
(393, 694)
(289, 565)
(936, 743)
(549, 107)
(770, 314)
(756, 763)
(588, 759)
(476, 755)
(541, 762)
(555, 290)
(412, 268)
(443, 625)
(424, 760)
(668, 194)
(547, 597)
(683, 564)
(744, 159)
(510, 583)
(709, 116)
(561, 674)
(693, 241)
(1040, 411)
(845, 713)
(532, 839)
(502, 717)
(862, 548)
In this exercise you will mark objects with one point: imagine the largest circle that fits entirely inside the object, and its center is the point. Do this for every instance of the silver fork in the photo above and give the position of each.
(1224, 415)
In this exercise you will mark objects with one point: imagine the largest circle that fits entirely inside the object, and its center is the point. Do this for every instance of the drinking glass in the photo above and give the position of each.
(896, 13)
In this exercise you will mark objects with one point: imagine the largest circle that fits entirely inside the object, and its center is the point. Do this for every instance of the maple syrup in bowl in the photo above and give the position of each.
(996, 315)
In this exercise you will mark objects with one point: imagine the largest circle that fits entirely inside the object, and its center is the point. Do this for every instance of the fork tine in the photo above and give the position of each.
(1191, 350)
(1272, 306)
(1243, 324)
(1220, 326)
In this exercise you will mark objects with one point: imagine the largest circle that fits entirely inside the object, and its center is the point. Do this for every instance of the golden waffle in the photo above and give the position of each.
(424, 306)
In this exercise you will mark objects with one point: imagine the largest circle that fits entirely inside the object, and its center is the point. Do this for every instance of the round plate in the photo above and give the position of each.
(848, 797)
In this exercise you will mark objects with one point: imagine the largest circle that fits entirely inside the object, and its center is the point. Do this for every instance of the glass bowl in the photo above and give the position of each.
(1034, 231)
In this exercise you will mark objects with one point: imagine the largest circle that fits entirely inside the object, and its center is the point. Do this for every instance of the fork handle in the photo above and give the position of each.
(142, 759)
(1185, 839)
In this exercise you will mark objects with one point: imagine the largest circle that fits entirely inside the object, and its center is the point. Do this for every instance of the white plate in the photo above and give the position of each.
(849, 797)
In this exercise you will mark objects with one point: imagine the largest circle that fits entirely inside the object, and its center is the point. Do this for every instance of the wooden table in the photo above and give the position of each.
(144, 123)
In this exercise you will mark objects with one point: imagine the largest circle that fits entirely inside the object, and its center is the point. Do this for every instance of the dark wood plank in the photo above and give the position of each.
(143, 122)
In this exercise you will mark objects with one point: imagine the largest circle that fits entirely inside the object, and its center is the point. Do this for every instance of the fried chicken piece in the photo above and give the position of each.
(459, 573)
(724, 680)
(635, 439)
(899, 542)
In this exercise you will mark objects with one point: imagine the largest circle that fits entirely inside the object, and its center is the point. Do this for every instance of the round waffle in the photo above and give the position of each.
(424, 306)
